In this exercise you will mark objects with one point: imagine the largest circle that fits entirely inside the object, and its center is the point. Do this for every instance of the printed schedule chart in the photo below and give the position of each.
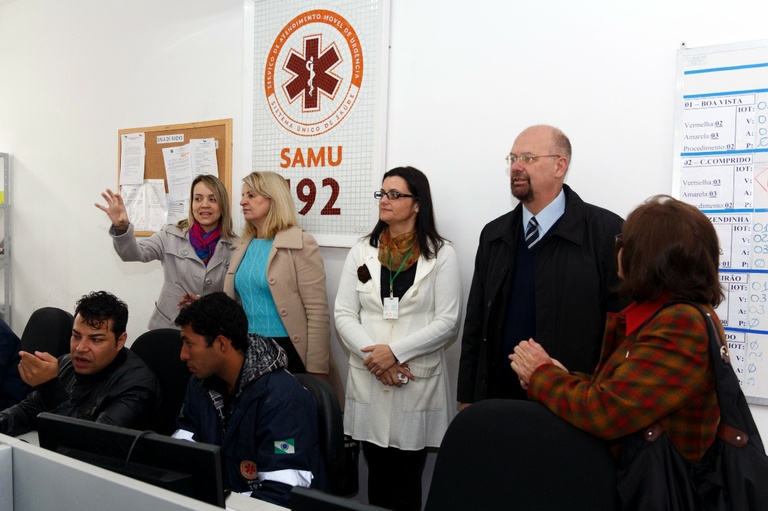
(721, 167)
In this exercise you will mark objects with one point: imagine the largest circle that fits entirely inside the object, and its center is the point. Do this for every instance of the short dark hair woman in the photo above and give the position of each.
(397, 306)
(649, 371)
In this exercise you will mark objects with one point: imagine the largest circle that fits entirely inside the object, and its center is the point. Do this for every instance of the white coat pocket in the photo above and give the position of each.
(426, 392)
(359, 382)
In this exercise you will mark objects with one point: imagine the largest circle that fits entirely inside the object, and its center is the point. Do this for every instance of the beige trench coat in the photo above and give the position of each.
(296, 277)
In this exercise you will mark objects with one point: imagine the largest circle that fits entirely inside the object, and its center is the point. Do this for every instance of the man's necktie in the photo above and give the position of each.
(532, 232)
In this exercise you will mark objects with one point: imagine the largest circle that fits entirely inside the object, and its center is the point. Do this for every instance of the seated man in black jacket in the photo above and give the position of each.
(98, 381)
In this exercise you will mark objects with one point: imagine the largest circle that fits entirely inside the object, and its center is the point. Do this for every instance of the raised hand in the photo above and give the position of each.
(115, 210)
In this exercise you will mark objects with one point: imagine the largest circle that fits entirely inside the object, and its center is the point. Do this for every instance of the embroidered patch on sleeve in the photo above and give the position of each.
(286, 446)
(248, 470)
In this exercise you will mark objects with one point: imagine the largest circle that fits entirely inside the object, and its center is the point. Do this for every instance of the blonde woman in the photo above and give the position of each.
(195, 252)
(277, 274)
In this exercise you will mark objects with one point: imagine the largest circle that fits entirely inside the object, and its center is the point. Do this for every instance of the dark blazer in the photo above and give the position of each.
(575, 287)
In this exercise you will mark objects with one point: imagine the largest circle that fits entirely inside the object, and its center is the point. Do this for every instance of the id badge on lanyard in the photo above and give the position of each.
(392, 303)
(390, 307)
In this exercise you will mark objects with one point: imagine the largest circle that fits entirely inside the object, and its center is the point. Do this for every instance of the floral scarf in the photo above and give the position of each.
(394, 250)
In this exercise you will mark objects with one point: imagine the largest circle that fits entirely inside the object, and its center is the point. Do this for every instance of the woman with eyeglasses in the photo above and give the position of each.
(397, 307)
(277, 274)
(195, 252)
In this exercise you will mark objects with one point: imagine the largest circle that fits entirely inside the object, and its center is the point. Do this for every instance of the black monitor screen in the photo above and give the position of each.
(189, 468)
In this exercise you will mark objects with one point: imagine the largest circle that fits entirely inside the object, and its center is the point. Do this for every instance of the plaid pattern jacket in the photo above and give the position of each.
(659, 372)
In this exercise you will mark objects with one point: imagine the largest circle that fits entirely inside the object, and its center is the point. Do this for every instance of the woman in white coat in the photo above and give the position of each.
(195, 252)
(397, 307)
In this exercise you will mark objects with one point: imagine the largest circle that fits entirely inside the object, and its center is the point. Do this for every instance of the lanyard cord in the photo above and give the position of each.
(391, 277)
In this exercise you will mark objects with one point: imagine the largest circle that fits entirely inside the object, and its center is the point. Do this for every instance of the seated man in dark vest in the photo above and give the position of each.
(99, 380)
(242, 398)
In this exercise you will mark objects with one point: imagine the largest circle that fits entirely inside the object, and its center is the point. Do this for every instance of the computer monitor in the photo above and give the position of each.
(309, 499)
(190, 468)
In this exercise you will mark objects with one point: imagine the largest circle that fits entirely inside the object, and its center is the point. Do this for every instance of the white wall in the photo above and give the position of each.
(465, 78)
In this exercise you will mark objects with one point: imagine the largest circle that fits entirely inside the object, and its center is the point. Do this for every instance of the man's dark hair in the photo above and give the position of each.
(98, 307)
(216, 314)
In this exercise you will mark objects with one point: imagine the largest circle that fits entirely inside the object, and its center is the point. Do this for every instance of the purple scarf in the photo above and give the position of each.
(203, 242)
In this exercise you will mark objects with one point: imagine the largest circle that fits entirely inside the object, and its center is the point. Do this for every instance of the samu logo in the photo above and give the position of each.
(313, 73)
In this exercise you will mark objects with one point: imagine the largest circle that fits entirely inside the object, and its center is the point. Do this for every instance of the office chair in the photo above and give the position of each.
(160, 350)
(49, 329)
(309, 499)
(508, 454)
(330, 429)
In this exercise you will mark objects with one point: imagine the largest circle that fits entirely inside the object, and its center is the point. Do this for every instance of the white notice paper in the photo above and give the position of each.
(178, 211)
(178, 170)
(203, 151)
(157, 212)
(133, 198)
(132, 154)
(145, 204)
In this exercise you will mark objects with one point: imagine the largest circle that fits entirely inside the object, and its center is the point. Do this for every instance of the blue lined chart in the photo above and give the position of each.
(721, 150)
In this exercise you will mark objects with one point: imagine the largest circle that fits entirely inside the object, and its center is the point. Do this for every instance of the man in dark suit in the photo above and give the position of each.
(544, 270)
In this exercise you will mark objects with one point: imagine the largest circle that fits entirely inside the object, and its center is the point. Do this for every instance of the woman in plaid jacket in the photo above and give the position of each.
(654, 365)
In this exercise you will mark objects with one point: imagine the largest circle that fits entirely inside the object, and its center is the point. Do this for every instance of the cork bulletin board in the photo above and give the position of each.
(158, 138)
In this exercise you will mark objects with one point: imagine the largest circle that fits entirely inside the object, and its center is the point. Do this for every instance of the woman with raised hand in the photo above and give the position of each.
(195, 252)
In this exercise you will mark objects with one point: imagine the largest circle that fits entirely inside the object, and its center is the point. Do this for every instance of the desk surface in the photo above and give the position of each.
(28, 443)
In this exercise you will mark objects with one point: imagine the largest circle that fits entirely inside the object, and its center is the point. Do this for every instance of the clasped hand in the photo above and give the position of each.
(381, 362)
(38, 367)
(187, 299)
(527, 357)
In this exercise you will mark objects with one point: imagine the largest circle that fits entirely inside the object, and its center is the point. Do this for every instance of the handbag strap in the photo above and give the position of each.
(736, 426)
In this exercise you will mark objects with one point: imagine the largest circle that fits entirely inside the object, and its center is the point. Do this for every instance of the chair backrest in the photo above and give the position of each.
(512, 454)
(160, 350)
(12, 387)
(310, 499)
(330, 429)
(49, 329)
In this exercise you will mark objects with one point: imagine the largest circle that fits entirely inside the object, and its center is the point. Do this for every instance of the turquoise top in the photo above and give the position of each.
(252, 286)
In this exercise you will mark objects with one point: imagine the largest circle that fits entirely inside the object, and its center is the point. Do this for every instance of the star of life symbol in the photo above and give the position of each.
(312, 73)
(248, 470)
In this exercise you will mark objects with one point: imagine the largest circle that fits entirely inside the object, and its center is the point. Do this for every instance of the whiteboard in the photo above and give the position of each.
(721, 166)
